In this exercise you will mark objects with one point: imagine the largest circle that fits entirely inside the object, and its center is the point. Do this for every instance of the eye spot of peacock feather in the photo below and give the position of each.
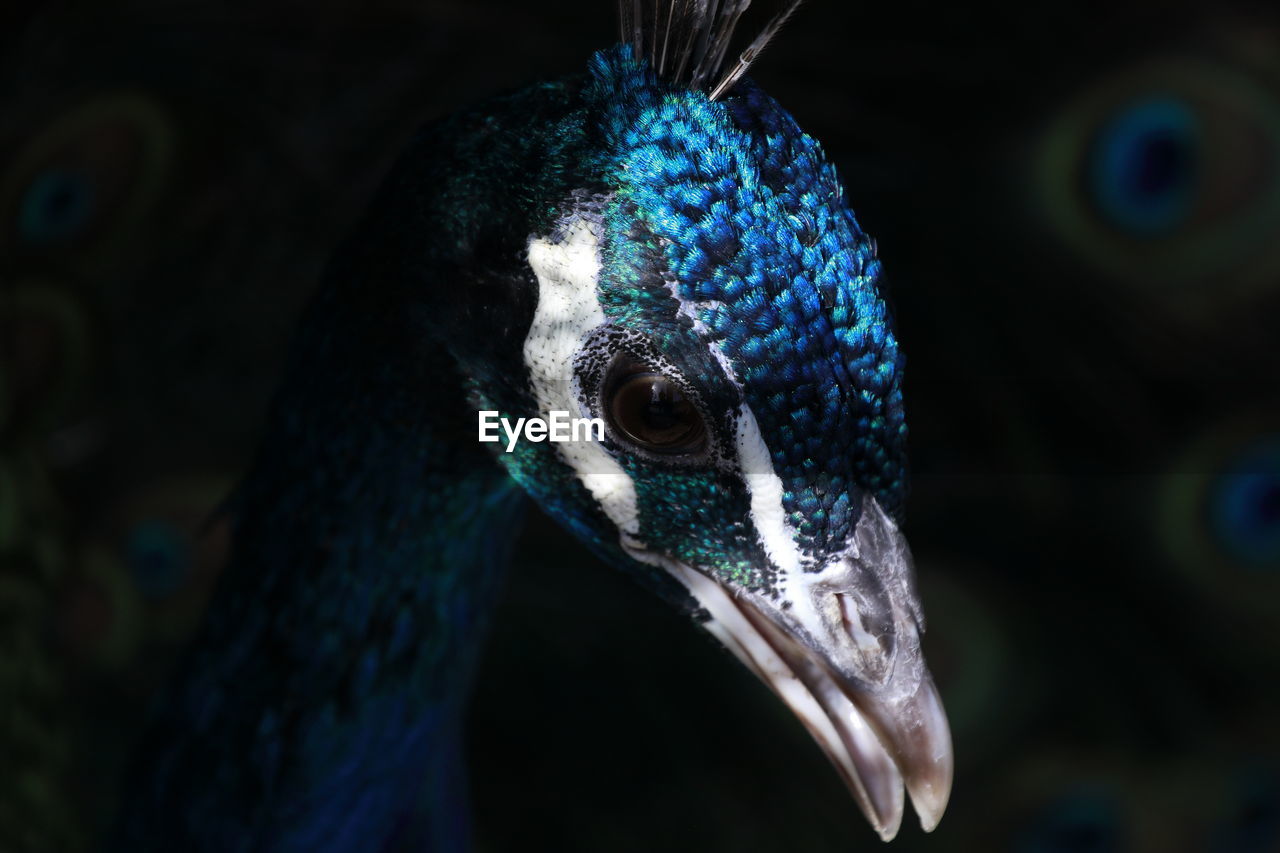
(159, 557)
(1144, 165)
(56, 206)
(1164, 174)
(80, 183)
(1243, 505)
(1219, 517)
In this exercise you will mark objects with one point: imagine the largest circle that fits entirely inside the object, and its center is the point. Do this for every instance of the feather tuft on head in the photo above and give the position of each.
(686, 41)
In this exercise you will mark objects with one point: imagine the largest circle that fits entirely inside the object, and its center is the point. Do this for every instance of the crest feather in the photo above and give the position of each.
(686, 41)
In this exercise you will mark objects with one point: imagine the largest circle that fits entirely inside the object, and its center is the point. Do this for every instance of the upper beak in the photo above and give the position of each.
(845, 655)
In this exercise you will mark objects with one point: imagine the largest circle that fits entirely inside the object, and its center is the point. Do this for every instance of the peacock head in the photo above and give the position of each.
(709, 298)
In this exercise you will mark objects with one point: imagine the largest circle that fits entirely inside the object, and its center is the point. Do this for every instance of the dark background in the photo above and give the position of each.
(1078, 207)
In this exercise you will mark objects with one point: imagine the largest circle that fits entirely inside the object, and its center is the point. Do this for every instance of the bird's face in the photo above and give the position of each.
(716, 305)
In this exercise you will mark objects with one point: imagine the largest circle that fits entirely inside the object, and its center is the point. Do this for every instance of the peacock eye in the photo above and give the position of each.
(652, 412)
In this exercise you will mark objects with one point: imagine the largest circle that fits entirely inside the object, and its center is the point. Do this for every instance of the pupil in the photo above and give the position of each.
(666, 408)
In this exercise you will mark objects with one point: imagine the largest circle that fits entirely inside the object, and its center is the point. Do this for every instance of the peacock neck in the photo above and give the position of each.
(321, 704)
(319, 709)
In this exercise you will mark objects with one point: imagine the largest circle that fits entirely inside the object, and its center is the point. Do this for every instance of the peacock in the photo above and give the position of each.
(652, 246)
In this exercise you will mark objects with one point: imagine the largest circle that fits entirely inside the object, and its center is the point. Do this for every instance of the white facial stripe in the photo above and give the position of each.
(692, 310)
(568, 272)
(765, 486)
(776, 533)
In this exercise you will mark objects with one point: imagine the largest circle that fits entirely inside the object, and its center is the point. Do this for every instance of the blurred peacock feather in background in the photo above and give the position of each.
(1078, 208)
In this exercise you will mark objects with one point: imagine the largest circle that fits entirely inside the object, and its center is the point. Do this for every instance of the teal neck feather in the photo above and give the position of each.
(322, 704)
(320, 707)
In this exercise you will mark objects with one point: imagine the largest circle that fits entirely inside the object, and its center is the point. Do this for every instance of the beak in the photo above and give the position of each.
(844, 654)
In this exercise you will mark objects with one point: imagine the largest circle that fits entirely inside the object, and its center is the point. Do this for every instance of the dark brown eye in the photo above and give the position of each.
(653, 412)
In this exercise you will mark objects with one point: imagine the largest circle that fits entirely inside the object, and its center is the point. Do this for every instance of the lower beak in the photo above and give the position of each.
(845, 656)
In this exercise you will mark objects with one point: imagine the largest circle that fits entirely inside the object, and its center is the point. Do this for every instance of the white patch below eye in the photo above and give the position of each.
(765, 486)
(568, 272)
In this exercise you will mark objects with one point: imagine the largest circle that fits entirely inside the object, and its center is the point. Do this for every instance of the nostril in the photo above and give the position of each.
(870, 633)
(846, 617)
(852, 621)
